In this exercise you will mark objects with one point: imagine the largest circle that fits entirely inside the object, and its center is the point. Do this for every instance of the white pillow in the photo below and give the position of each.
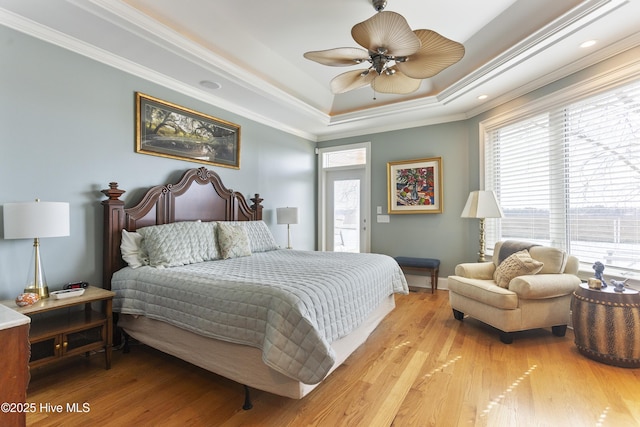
(233, 241)
(260, 237)
(131, 249)
(179, 243)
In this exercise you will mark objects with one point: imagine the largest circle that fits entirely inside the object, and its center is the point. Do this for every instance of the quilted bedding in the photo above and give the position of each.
(290, 304)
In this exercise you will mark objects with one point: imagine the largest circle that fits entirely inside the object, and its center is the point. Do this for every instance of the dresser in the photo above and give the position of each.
(14, 375)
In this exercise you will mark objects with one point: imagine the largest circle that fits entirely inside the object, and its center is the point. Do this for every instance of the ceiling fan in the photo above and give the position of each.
(399, 58)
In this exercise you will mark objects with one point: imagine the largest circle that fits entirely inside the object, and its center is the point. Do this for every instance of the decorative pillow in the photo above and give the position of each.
(554, 259)
(131, 249)
(517, 264)
(260, 237)
(233, 241)
(179, 243)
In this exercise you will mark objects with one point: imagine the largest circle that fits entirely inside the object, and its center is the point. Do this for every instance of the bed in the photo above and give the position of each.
(272, 319)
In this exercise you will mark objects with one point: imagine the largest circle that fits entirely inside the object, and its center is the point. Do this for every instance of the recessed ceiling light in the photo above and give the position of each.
(210, 85)
(483, 97)
(588, 43)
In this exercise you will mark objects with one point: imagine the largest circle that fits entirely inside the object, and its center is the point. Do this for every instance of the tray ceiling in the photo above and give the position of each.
(250, 52)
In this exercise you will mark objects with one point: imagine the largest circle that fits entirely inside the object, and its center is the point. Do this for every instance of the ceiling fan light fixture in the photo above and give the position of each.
(379, 63)
(393, 49)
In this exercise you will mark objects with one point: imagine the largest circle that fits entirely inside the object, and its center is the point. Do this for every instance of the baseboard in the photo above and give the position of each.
(420, 282)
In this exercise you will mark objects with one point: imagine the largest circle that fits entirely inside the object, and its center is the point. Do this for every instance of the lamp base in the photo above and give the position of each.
(36, 281)
(42, 292)
(481, 257)
(289, 237)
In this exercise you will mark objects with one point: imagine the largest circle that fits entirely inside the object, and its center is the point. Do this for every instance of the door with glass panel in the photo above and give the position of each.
(346, 222)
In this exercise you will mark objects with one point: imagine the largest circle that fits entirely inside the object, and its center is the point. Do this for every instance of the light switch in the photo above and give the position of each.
(379, 210)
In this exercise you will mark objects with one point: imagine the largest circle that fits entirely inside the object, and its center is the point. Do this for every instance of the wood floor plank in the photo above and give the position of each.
(420, 367)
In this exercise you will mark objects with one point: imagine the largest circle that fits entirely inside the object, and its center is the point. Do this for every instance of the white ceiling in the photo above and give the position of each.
(253, 49)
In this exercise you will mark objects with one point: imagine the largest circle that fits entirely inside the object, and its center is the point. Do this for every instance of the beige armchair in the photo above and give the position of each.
(524, 287)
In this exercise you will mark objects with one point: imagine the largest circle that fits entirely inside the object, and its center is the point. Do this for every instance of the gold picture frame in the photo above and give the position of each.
(414, 186)
(168, 130)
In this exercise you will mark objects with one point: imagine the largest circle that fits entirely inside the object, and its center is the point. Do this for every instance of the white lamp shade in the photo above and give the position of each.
(36, 219)
(482, 204)
(287, 215)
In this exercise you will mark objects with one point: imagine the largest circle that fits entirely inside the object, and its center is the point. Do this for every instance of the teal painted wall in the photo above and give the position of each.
(68, 130)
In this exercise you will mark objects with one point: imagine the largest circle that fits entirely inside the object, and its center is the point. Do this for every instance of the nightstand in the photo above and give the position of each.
(62, 327)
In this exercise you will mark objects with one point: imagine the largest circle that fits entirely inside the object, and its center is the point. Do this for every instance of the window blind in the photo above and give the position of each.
(569, 177)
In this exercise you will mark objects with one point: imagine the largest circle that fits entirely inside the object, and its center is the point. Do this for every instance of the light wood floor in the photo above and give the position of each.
(419, 368)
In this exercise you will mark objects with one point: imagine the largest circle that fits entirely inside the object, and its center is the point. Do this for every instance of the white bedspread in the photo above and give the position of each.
(291, 304)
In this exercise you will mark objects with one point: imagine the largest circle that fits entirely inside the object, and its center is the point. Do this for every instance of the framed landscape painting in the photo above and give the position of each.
(415, 186)
(169, 130)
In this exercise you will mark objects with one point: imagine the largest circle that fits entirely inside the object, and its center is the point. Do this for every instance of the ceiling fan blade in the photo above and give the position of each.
(436, 53)
(339, 57)
(351, 80)
(395, 83)
(386, 30)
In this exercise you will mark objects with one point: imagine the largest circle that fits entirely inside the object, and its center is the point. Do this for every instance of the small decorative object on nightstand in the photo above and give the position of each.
(598, 267)
(66, 329)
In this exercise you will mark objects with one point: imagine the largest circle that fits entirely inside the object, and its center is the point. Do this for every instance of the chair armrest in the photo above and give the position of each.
(540, 286)
(476, 270)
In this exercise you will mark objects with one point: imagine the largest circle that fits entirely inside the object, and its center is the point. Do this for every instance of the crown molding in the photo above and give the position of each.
(79, 47)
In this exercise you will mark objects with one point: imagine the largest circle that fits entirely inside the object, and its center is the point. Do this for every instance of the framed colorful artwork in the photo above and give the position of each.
(169, 130)
(415, 186)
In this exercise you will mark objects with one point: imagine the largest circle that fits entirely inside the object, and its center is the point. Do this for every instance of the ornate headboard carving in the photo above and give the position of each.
(199, 195)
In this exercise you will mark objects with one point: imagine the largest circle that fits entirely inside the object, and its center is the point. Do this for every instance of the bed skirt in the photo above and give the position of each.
(237, 362)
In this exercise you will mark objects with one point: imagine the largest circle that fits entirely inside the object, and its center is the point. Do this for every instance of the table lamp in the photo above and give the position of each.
(482, 204)
(287, 216)
(33, 220)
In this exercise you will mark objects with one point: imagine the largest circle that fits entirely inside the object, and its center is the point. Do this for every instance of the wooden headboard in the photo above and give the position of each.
(199, 195)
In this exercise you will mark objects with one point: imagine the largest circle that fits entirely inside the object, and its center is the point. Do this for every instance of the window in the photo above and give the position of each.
(569, 176)
(348, 157)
